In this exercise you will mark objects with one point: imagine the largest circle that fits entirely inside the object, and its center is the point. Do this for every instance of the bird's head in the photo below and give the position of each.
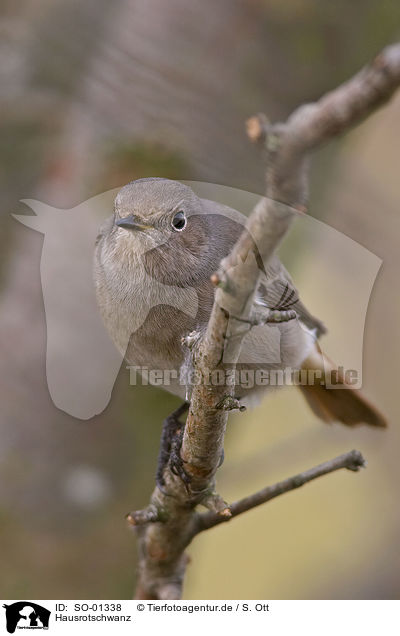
(151, 212)
(177, 236)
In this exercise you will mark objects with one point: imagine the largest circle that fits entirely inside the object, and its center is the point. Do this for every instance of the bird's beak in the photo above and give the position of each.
(132, 222)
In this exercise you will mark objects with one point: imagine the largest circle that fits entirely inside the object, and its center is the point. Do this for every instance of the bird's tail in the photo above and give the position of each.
(346, 405)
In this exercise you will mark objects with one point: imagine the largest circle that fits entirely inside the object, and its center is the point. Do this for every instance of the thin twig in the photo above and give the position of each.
(353, 460)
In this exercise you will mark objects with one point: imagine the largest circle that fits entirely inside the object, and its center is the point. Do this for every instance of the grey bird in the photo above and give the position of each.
(153, 262)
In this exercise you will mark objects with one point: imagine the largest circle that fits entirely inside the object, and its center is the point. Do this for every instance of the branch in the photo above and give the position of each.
(170, 520)
(287, 145)
(312, 125)
(353, 460)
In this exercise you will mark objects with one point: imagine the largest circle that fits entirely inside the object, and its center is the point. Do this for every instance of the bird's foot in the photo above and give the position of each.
(170, 447)
(176, 462)
(191, 339)
(268, 316)
(230, 403)
(170, 450)
(281, 315)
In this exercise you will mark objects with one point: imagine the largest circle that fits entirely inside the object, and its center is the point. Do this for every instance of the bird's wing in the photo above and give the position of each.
(277, 291)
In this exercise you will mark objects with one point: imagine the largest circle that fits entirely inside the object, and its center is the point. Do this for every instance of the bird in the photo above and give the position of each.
(153, 266)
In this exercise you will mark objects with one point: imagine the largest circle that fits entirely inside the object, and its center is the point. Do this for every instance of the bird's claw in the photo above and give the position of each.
(171, 442)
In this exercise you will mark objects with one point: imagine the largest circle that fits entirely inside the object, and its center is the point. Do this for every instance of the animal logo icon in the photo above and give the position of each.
(25, 615)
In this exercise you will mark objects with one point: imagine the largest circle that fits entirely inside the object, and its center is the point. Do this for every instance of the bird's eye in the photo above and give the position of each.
(179, 221)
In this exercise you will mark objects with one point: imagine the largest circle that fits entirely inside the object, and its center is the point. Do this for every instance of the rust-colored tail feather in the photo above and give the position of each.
(346, 405)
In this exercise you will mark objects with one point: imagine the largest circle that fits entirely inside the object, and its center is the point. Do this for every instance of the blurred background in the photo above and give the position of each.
(96, 94)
